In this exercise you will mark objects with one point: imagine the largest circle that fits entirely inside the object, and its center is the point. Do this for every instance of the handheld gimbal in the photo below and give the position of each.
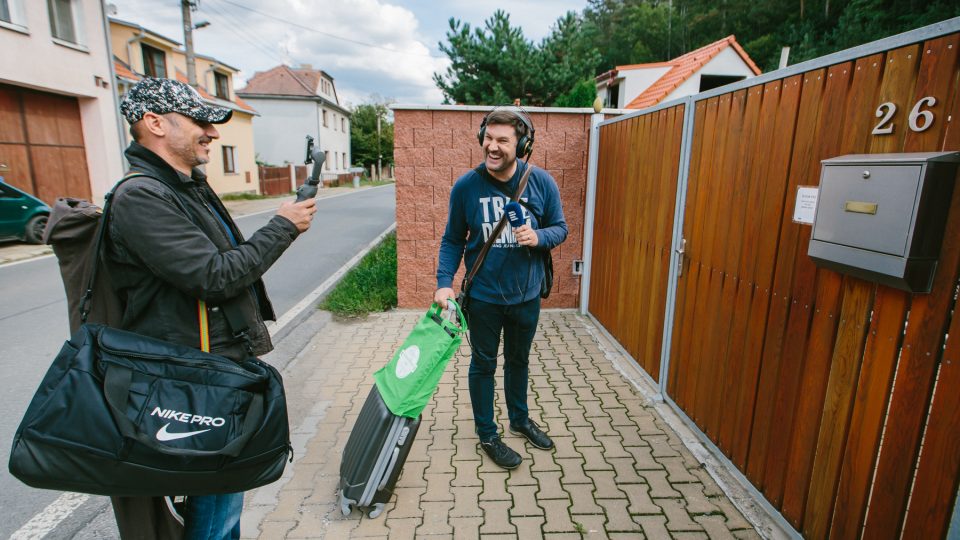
(309, 188)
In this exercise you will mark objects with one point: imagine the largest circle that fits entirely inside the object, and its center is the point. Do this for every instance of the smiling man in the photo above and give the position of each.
(172, 251)
(505, 294)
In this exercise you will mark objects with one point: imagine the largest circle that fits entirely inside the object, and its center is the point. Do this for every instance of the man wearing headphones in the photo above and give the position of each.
(505, 293)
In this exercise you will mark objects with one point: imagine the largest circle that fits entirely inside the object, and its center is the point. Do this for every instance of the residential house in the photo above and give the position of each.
(639, 86)
(59, 125)
(139, 52)
(293, 103)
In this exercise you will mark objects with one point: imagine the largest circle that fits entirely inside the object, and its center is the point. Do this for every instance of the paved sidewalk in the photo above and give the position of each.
(617, 470)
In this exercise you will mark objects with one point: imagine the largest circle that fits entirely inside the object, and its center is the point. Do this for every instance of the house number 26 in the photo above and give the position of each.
(920, 120)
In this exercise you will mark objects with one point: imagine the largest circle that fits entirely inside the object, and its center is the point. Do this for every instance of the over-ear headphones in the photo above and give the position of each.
(524, 143)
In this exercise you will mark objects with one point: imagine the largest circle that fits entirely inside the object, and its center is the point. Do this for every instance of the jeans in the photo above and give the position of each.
(213, 517)
(519, 324)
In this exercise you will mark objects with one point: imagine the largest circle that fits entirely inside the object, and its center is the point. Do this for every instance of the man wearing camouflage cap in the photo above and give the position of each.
(172, 244)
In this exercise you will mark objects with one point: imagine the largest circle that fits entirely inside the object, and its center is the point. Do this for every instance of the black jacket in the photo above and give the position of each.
(165, 252)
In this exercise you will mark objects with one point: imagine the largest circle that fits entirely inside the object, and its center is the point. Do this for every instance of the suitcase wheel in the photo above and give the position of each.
(345, 504)
(376, 510)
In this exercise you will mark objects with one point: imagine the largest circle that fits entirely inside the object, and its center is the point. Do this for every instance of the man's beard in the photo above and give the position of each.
(188, 153)
(505, 163)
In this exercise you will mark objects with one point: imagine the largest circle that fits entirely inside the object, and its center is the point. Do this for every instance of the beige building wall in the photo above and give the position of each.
(125, 44)
(238, 132)
(33, 58)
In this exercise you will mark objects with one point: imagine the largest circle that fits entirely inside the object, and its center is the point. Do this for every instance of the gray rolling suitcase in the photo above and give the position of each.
(374, 456)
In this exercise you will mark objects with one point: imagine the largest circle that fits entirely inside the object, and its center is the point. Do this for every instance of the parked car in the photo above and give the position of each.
(22, 216)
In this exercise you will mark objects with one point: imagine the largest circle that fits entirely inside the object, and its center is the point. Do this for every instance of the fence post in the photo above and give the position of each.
(590, 207)
(293, 177)
(676, 260)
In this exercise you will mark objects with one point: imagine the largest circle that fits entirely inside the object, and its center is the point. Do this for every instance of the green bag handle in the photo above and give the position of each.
(450, 327)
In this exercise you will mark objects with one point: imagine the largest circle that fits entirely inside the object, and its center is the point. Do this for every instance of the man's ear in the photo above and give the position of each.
(153, 124)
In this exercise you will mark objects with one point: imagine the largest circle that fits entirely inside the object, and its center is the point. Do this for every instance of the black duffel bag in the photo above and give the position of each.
(123, 414)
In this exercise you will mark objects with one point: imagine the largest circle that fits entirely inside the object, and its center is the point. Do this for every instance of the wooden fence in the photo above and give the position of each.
(811, 382)
(277, 181)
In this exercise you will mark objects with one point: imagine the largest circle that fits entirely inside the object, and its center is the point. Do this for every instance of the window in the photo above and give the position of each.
(11, 15)
(343, 125)
(229, 159)
(326, 160)
(63, 20)
(346, 164)
(709, 82)
(5, 11)
(222, 83)
(154, 61)
(336, 156)
(613, 96)
(325, 119)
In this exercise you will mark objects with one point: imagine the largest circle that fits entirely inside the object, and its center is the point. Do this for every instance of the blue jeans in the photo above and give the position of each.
(213, 517)
(518, 323)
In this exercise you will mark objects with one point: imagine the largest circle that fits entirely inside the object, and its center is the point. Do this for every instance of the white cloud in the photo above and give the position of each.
(404, 34)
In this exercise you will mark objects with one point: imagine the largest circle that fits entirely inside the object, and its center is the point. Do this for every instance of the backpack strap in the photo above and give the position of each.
(97, 252)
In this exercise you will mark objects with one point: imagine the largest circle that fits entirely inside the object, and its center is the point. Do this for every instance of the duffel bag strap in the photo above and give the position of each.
(116, 388)
(204, 326)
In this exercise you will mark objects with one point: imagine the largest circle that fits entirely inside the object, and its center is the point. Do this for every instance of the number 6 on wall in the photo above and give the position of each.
(916, 114)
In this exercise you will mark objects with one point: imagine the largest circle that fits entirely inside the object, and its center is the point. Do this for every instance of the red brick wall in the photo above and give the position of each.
(432, 148)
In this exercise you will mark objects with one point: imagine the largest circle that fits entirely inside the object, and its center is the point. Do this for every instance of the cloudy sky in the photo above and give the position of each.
(385, 48)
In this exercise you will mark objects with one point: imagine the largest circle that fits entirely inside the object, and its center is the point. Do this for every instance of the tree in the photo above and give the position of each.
(363, 134)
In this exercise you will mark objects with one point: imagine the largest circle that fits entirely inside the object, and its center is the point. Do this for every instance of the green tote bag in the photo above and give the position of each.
(409, 380)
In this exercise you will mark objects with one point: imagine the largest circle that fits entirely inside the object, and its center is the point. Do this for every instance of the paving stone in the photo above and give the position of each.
(744, 534)
(466, 473)
(582, 501)
(435, 519)
(716, 527)
(407, 502)
(583, 437)
(400, 529)
(602, 426)
(605, 485)
(609, 401)
(550, 487)
(569, 404)
(690, 536)
(413, 474)
(625, 473)
(443, 441)
(562, 536)
(496, 518)
(565, 447)
(676, 470)
(556, 427)
(654, 527)
(288, 505)
(640, 501)
(659, 487)
(613, 446)
(529, 527)
(525, 501)
(521, 476)
(441, 461)
(618, 515)
(543, 460)
(335, 529)
(591, 525)
(557, 515)
(372, 528)
(466, 502)
(643, 458)
(276, 529)
(710, 487)
(630, 435)
(465, 450)
(438, 487)
(677, 517)
(697, 502)
(594, 459)
(467, 528)
(494, 486)
(573, 472)
(734, 517)
(551, 408)
(312, 524)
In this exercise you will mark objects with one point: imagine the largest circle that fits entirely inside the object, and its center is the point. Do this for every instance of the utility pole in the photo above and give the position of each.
(186, 6)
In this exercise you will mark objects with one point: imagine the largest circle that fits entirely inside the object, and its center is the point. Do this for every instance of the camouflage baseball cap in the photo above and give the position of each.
(162, 96)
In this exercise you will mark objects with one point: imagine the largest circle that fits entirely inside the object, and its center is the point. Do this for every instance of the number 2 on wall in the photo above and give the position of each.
(919, 120)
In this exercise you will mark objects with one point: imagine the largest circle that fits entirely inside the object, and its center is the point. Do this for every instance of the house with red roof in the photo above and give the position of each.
(294, 102)
(639, 86)
(139, 52)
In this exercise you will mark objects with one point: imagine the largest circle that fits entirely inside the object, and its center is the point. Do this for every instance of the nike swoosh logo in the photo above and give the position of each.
(164, 435)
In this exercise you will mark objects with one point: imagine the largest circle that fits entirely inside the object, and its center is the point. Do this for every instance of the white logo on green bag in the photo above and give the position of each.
(407, 361)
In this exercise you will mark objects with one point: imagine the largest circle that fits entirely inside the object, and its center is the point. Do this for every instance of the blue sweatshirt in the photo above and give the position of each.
(511, 273)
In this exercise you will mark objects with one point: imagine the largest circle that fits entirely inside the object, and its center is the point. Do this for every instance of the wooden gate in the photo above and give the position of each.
(41, 142)
(845, 417)
(636, 192)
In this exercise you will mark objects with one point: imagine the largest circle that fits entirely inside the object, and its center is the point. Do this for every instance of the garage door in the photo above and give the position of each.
(41, 143)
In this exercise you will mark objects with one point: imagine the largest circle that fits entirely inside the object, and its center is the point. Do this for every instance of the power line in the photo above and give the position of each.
(238, 30)
(334, 36)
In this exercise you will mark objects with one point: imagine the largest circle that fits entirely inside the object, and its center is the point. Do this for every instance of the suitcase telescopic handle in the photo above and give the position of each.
(386, 474)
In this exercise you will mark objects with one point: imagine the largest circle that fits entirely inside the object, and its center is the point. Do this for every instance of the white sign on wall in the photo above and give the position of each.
(805, 207)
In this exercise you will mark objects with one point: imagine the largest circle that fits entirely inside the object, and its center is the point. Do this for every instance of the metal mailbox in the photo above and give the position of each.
(881, 217)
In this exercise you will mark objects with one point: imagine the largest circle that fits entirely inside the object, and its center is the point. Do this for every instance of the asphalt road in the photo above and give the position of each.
(33, 326)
